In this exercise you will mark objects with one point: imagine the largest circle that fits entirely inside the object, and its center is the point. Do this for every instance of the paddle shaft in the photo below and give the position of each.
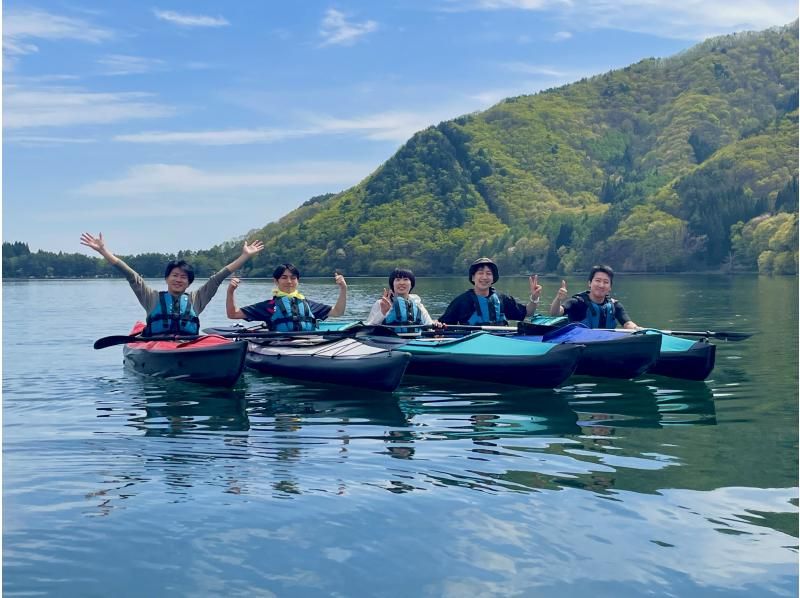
(721, 335)
(110, 341)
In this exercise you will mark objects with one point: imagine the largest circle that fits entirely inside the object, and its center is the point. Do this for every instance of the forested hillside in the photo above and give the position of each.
(647, 168)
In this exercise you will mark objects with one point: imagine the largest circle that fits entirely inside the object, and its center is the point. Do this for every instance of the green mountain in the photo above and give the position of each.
(646, 168)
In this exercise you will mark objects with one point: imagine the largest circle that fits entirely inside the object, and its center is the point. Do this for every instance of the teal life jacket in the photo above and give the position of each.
(404, 311)
(172, 316)
(292, 315)
(597, 316)
(488, 311)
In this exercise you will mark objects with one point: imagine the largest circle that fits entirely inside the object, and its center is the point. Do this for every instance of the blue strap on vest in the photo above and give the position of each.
(598, 316)
(403, 312)
(292, 315)
(172, 316)
(488, 311)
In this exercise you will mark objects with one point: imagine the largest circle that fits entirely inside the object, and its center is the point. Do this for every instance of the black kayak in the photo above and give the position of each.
(678, 357)
(347, 361)
(606, 354)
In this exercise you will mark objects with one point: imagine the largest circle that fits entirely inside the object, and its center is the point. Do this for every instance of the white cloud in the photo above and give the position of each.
(384, 126)
(120, 64)
(224, 137)
(534, 69)
(185, 20)
(22, 25)
(44, 141)
(59, 107)
(337, 30)
(562, 35)
(150, 179)
(689, 19)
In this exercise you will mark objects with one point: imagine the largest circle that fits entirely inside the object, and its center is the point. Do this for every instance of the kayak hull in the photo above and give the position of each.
(346, 361)
(695, 363)
(608, 355)
(678, 358)
(209, 360)
(545, 369)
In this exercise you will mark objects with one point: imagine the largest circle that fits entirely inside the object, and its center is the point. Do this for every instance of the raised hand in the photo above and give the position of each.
(339, 280)
(562, 292)
(233, 285)
(95, 243)
(386, 301)
(536, 288)
(251, 249)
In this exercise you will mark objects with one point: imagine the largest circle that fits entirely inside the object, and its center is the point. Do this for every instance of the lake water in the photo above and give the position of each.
(115, 485)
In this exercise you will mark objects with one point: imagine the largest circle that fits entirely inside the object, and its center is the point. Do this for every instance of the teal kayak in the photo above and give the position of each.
(485, 357)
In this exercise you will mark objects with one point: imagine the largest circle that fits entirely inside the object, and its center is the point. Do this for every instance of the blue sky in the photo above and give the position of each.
(179, 125)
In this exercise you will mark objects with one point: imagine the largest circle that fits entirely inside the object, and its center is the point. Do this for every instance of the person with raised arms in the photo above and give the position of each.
(594, 307)
(173, 311)
(398, 306)
(287, 310)
(483, 305)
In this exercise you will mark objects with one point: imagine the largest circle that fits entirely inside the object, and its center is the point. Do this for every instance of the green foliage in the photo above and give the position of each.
(768, 242)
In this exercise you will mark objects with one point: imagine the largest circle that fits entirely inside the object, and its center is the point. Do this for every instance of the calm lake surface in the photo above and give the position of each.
(116, 485)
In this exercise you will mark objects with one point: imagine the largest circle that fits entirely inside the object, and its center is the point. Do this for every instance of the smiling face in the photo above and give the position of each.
(177, 281)
(287, 282)
(599, 287)
(483, 279)
(401, 286)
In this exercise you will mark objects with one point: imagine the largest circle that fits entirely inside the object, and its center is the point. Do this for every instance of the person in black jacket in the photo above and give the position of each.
(595, 308)
(483, 305)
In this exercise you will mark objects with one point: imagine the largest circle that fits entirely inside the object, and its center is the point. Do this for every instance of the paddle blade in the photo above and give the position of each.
(123, 339)
(731, 336)
(117, 339)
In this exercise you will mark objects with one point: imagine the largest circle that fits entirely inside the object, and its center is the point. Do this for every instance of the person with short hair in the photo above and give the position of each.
(287, 310)
(398, 306)
(483, 305)
(173, 311)
(595, 308)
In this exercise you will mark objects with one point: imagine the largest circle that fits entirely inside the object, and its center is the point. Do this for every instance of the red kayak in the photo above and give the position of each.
(209, 359)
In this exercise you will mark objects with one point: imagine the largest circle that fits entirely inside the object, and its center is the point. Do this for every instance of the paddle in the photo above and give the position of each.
(120, 339)
(453, 327)
(720, 334)
(123, 339)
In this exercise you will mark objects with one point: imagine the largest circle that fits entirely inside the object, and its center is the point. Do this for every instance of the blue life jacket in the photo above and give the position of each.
(597, 316)
(172, 317)
(488, 311)
(292, 315)
(404, 311)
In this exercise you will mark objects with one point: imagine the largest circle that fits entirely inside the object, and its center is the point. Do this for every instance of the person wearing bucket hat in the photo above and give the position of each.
(482, 305)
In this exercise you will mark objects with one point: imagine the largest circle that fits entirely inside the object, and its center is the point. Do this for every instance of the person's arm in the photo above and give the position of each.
(623, 318)
(248, 251)
(233, 312)
(556, 307)
(148, 298)
(341, 303)
(452, 315)
(203, 296)
(376, 314)
(424, 317)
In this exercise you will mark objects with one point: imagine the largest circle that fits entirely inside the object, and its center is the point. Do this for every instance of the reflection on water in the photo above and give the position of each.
(499, 439)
